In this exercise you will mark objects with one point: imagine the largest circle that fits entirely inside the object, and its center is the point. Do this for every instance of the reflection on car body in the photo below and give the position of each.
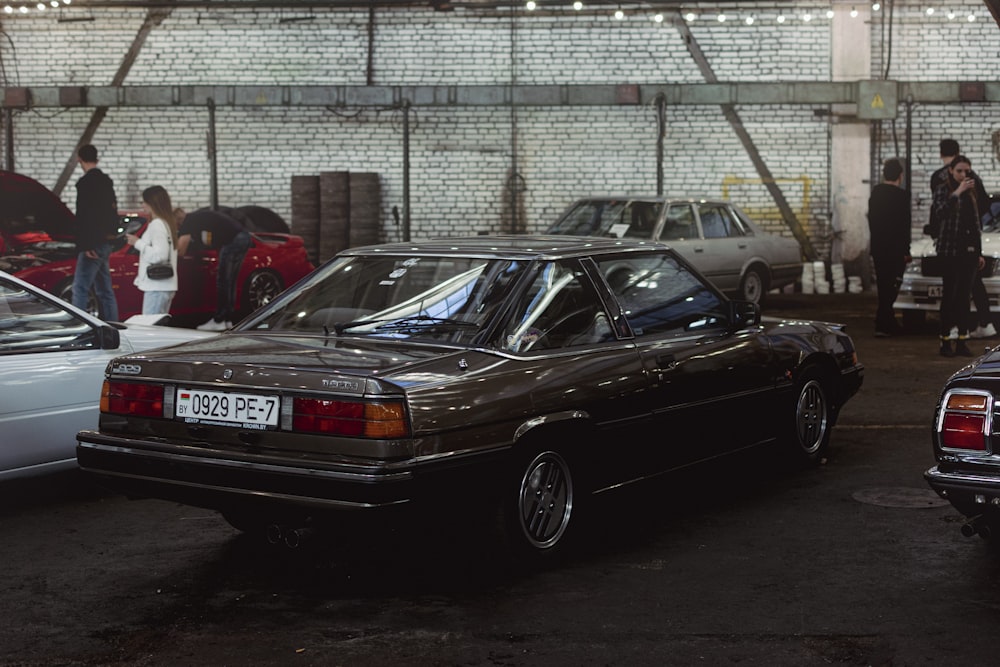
(716, 236)
(532, 372)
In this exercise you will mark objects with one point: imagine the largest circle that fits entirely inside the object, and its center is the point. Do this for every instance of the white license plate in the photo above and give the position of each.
(227, 409)
(934, 291)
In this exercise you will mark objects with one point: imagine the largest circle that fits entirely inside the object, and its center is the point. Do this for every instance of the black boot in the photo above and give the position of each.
(961, 349)
(946, 350)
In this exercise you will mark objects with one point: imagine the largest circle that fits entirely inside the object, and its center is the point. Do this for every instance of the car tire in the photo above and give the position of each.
(813, 417)
(539, 506)
(753, 285)
(65, 292)
(261, 287)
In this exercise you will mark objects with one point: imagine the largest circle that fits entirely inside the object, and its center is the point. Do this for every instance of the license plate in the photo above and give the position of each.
(934, 291)
(253, 411)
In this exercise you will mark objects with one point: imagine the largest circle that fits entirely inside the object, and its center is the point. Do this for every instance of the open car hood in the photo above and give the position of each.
(30, 212)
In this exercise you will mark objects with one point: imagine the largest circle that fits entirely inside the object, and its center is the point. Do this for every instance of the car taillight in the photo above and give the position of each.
(132, 398)
(362, 419)
(965, 420)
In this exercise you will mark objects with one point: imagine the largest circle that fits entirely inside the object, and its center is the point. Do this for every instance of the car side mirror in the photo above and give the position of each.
(743, 314)
(108, 337)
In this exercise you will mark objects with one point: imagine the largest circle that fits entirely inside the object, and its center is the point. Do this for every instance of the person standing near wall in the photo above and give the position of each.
(949, 148)
(955, 219)
(889, 227)
(208, 229)
(97, 224)
(157, 245)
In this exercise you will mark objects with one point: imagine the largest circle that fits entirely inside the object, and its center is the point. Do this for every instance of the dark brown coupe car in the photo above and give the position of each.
(531, 372)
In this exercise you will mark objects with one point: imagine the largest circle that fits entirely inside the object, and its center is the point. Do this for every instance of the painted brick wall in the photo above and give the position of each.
(461, 157)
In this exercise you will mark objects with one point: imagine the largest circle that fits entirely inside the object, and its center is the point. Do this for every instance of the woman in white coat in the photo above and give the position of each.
(157, 245)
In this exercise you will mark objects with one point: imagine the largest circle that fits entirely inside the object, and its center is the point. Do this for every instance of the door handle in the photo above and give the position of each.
(665, 361)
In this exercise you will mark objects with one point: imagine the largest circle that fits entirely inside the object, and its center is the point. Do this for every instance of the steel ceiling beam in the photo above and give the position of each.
(500, 95)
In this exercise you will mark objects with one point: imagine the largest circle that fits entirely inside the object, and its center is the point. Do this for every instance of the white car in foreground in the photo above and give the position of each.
(52, 362)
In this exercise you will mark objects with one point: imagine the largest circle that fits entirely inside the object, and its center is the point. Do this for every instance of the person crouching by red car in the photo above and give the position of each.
(157, 246)
(211, 230)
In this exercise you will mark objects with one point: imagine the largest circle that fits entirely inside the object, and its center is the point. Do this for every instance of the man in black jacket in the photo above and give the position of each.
(96, 226)
(889, 225)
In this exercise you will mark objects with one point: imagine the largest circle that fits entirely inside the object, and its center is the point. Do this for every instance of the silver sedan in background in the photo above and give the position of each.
(718, 238)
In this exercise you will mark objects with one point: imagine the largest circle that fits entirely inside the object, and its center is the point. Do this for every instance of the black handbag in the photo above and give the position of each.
(160, 271)
(163, 270)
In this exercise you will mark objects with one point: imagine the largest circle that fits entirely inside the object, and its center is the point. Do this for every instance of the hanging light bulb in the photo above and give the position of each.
(749, 20)
(929, 11)
(690, 16)
(829, 13)
(530, 5)
(854, 12)
(8, 9)
(658, 17)
(971, 18)
(41, 6)
(807, 17)
(951, 15)
(876, 6)
(577, 5)
(781, 18)
(619, 14)
(722, 18)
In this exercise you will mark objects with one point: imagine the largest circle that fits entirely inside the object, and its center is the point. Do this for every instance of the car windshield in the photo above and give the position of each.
(617, 218)
(448, 299)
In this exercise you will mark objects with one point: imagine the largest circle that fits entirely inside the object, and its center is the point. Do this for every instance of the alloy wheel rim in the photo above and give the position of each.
(545, 500)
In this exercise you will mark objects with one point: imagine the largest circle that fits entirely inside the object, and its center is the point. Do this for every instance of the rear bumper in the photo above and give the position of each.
(224, 481)
(970, 494)
(924, 293)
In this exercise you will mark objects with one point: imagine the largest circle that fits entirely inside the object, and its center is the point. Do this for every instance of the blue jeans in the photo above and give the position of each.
(230, 260)
(95, 274)
(156, 302)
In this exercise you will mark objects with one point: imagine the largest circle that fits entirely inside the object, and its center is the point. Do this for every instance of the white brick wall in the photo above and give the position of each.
(461, 157)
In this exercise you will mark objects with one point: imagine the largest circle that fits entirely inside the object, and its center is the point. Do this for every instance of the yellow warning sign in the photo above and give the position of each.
(881, 97)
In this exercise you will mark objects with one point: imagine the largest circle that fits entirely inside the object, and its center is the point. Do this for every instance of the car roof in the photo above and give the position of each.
(513, 246)
(656, 199)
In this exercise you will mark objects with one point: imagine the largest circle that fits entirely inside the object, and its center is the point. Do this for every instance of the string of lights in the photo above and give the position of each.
(780, 16)
(620, 13)
(24, 8)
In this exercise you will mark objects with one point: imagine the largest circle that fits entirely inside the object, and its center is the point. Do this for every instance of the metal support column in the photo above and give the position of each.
(8, 128)
(909, 146)
(212, 157)
(406, 170)
(661, 132)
